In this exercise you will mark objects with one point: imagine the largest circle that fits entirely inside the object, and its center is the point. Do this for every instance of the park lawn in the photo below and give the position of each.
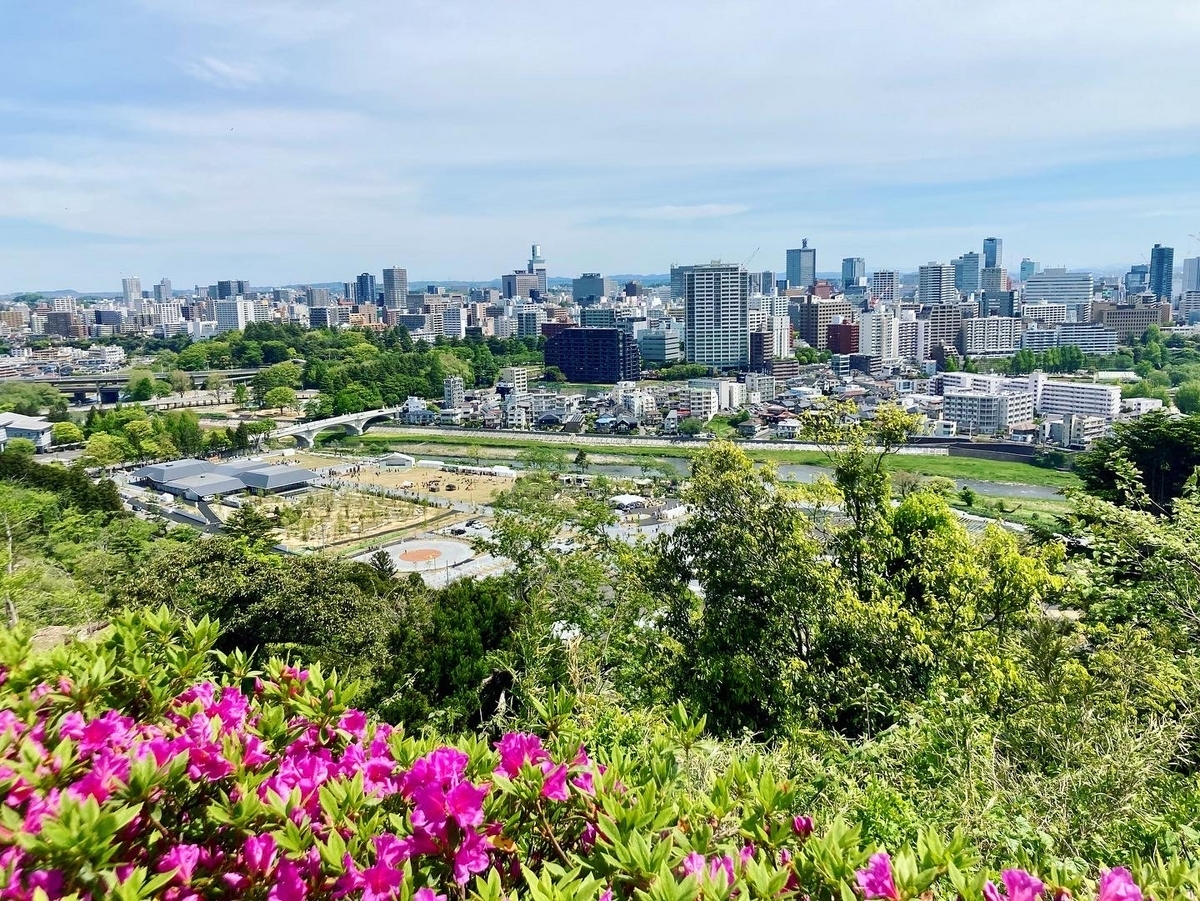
(969, 468)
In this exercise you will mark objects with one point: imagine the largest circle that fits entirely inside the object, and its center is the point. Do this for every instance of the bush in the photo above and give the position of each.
(143, 765)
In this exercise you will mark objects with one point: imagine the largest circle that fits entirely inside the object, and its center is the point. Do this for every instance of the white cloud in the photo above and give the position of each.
(223, 73)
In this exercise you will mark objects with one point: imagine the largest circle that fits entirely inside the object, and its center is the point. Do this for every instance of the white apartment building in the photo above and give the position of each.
(454, 322)
(981, 413)
(517, 377)
(1049, 396)
(637, 401)
(879, 336)
(453, 392)
(1189, 304)
(700, 402)
(1058, 286)
(1049, 313)
(1091, 338)
(765, 386)
(716, 315)
(991, 335)
(235, 313)
(731, 395)
(936, 284)
(885, 286)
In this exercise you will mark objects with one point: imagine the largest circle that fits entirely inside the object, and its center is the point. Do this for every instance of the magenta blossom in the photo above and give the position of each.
(518, 749)
(875, 879)
(427, 894)
(182, 859)
(259, 853)
(1117, 885)
(555, 787)
(1018, 886)
(802, 826)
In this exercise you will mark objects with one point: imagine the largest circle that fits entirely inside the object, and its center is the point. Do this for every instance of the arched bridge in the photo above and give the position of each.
(306, 433)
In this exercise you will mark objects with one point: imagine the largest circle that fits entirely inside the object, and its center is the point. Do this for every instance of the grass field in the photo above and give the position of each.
(951, 467)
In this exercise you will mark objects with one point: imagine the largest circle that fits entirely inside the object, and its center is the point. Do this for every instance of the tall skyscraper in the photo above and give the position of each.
(993, 252)
(1162, 270)
(853, 268)
(229, 288)
(679, 281)
(802, 266)
(131, 288)
(537, 266)
(992, 279)
(966, 273)
(885, 285)
(768, 282)
(364, 290)
(716, 315)
(1191, 274)
(936, 284)
(395, 288)
(1029, 268)
(163, 292)
(1137, 279)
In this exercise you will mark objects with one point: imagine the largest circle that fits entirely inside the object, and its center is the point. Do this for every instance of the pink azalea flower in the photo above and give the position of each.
(517, 749)
(1018, 886)
(289, 885)
(1117, 885)
(606, 895)
(875, 879)
(693, 864)
(464, 804)
(584, 783)
(259, 852)
(182, 859)
(802, 826)
(354, 722)
(427, 894)
(471, 857)
(746, 855)
(721, 866)
(555, 787)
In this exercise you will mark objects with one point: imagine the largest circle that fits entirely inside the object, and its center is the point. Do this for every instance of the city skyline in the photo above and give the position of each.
(266, 139)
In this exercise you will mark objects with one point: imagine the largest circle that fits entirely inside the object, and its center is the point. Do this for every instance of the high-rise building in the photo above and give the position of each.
(233, 315)
(1162, 271)
(163, 292)
(317, 297)
(591, 287)
(885, 285)
(594, 355)
(364, 289)
(537, 266)
(519, 284)
(936, 284)
(395, 289)
(802, 266)
(853, 268)
(232, 287)
(993, 252)
(813, 315)
(768, 282)
(1029, 268)
(879, 336)
(1058, 286)
(453, 393)
(131, 288)
(678, 281)
(716, 315)
(1191, 274)
(966, 273)
(993, 279)
(1137, 279)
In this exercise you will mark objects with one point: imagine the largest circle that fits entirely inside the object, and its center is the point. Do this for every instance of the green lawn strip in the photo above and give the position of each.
(928, 465)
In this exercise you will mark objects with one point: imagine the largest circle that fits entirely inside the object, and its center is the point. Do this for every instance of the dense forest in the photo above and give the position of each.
(839, 652)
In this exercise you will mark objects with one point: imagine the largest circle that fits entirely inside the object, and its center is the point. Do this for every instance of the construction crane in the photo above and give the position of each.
(746, 262)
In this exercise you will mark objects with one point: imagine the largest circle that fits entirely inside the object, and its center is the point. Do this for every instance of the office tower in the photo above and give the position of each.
(591, 287)
(1029, 268)
(163, 292)
(678, 281)
(879, 336)
(519, 285)
(802, 266)
(1191, 274)
(853, 268)
(395, 288)
(936, 284)
(230, 288)
(132, 289)
(768, 282)
(1137, 279)
(756, 284)
(885, 285)
(233, 315)
(716, 315)
(364, 290)
(966, 273)
(1162, 271)
(317, 297)
(993, 251)
(537, 267)
(993, 279)
(1058, 286)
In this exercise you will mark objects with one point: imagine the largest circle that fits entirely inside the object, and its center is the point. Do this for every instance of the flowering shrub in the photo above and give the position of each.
(145, 765)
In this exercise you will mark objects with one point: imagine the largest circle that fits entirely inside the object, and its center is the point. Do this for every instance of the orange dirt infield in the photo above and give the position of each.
(420, 555)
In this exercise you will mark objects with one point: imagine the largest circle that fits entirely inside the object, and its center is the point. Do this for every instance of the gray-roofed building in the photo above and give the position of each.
(277, 478)
(203, 485)
(159, 473)
(17, 425)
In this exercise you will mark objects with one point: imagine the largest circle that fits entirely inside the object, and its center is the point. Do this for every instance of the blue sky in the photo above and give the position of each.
(293, 141)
